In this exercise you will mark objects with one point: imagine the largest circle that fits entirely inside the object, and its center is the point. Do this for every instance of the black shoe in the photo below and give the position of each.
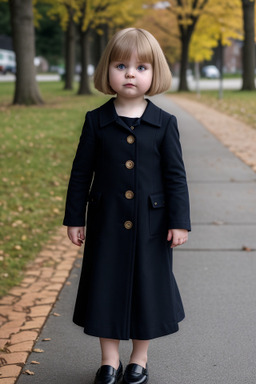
(108, 375)
(135, 374)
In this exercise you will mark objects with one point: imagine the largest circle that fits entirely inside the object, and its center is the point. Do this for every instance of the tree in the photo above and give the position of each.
(221, 21)
(22, 21)
(5, 25)
(159, 22)
(48, 35)
(249, 45)
(95, 16)
(67, 13)
(187, 15)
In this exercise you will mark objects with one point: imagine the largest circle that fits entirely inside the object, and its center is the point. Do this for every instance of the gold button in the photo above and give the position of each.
(130, 139)
(132, 127)
(128, 224)
(129, 164)
(129, 195)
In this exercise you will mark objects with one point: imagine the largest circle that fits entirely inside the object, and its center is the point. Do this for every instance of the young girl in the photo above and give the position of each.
(129, 169)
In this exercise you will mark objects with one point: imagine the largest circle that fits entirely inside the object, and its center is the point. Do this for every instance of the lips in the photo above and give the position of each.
(130, 85)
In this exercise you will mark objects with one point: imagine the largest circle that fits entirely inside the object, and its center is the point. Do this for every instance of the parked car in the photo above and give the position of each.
(7, 61)
(210, 72)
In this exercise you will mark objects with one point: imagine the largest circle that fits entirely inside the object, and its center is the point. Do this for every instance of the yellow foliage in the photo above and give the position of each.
(221, 20)
(94, 13)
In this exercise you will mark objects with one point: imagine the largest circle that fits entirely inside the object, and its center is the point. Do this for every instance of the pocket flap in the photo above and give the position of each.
(157, 200)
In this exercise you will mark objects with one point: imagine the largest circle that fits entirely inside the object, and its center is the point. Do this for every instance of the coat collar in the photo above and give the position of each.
(151, 115)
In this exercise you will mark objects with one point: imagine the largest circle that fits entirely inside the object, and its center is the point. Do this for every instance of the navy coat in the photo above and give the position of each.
(134, 182)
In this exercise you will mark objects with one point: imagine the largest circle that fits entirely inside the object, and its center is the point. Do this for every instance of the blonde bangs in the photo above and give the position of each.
(131, 42)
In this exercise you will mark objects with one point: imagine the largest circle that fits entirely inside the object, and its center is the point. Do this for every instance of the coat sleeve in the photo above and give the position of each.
(176, 189)
(81, 177)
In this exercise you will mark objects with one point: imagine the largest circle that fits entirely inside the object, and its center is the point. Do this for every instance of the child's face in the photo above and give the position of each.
(130, 78)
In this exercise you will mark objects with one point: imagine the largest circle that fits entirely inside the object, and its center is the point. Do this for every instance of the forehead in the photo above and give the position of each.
(132, 44)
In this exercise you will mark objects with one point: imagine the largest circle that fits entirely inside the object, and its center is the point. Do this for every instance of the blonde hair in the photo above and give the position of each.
(121, 47)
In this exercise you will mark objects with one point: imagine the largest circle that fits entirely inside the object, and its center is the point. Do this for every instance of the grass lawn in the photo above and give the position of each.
(239, 104)
(37, 145)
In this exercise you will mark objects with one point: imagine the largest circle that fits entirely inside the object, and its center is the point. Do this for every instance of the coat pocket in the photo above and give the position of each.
(157, 214)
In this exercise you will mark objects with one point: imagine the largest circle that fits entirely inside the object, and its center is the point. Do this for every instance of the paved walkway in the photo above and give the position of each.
(215, 271)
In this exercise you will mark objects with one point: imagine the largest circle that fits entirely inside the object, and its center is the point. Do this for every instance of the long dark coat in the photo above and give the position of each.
(135, 183)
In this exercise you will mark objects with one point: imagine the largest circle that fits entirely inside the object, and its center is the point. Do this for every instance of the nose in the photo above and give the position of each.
(129, 74)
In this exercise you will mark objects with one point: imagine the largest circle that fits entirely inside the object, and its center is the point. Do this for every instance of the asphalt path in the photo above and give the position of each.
(215, 271)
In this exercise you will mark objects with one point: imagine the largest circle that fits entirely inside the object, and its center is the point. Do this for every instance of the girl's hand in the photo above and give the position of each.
(76, 235)
(178, 236)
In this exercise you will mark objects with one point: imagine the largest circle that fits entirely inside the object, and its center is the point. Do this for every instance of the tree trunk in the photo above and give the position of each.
(84, 88)
(26, 88)
(249, 46)
(186, 32)
(185, 39)
(70, 46)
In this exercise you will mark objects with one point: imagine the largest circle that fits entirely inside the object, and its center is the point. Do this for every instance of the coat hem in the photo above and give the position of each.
(172, 329)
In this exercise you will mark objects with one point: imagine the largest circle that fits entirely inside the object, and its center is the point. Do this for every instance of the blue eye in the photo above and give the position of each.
(120, 66)
(141, 68)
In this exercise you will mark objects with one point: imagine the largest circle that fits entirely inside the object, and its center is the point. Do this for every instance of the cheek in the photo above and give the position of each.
(112, 77)
(148, 81)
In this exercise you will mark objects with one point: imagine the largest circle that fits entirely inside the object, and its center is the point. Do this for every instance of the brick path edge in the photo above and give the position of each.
(25, 309)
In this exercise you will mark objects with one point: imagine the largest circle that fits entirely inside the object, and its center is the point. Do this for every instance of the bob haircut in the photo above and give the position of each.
(121, 46)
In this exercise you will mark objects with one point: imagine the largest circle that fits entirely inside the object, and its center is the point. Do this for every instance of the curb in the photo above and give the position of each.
(24, 311)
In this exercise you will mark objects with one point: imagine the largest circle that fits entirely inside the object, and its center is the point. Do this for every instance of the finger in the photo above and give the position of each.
(169, 235)
(81, 234)
(174, 243)
(77, 241)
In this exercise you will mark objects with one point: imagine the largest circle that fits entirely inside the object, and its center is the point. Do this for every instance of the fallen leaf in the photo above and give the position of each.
(46, 339)
(28, 372)
(56, 314)
(247, 249)
(34, 362)
(218, 222)
(68, 283)
(38, 350)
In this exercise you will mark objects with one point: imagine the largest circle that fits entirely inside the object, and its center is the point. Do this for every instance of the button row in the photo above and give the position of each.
(129, 165)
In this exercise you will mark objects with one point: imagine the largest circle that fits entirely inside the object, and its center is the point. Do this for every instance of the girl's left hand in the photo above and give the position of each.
(178, 236)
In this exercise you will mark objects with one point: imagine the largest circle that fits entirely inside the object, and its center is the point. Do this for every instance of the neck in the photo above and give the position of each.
(130, 107)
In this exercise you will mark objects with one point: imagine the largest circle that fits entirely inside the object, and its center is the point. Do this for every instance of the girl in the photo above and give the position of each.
(129, 169)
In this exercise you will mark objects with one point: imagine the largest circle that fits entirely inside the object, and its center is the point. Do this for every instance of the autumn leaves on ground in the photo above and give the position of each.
(36, 151)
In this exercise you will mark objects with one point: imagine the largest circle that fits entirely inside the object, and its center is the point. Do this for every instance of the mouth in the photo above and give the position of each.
(129, 85)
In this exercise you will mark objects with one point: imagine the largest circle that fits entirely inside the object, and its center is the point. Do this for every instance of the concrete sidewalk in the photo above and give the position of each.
(216, 273)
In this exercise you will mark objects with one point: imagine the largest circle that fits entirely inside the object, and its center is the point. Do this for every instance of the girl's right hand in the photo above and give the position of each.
(76, 235)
